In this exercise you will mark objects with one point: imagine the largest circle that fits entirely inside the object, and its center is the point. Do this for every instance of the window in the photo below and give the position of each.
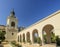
(12, 33)
(13, 24)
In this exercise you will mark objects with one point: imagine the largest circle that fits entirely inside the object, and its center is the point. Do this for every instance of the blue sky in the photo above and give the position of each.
(27, 11)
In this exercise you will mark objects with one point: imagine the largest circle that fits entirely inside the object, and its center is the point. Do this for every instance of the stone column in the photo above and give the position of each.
(25, 38)
(42, 39)
(31, 37)
(22, 38)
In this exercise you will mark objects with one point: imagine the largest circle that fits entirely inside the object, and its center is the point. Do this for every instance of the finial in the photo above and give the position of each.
(12, 12)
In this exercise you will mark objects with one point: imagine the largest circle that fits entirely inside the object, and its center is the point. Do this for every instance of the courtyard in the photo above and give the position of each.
(33, 45)
(7, 45)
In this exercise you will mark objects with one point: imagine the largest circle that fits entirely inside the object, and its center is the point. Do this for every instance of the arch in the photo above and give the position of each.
(13, 24)
(28, 36)
(20, 38)
(47, 29)
(35, 35)
(23, 37)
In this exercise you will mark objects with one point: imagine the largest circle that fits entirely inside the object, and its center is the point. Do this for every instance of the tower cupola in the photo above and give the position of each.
(12, 13)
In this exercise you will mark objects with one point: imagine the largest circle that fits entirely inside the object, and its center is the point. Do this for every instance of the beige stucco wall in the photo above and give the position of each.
(51, 19)
(9, 36)
(11, 19)
(10, 29)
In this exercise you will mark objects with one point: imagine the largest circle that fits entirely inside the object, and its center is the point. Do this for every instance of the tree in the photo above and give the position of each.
(2, 35)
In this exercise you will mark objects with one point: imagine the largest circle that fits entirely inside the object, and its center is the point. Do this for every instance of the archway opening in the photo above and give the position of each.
(47, 31)
(35, 35)
(13, 24)
(23, 37)
(20, 38)
(28, 37)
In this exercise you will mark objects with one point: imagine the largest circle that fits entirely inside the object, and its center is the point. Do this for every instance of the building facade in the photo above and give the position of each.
(39, 29)
(48, 25)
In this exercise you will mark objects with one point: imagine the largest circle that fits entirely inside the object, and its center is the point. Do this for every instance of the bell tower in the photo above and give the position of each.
(11, 29)
(12, 20)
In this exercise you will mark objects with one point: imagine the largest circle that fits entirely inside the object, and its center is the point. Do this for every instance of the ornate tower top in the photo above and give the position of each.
(12, 21)
(12, 13)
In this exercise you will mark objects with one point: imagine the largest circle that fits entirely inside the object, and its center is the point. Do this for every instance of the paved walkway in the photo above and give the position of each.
(7, 45)
(46, 45)
(49, 45)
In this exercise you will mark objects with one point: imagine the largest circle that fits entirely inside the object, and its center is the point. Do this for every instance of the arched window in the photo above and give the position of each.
(13, 24)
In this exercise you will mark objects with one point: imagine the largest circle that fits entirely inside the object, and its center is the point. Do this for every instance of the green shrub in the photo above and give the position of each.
(29, 41)
(45, 40)
(35, 39)
(13, 42)
(39, 40)
(18, 45)
(23, 40)
(53, 37)
(58, 40)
